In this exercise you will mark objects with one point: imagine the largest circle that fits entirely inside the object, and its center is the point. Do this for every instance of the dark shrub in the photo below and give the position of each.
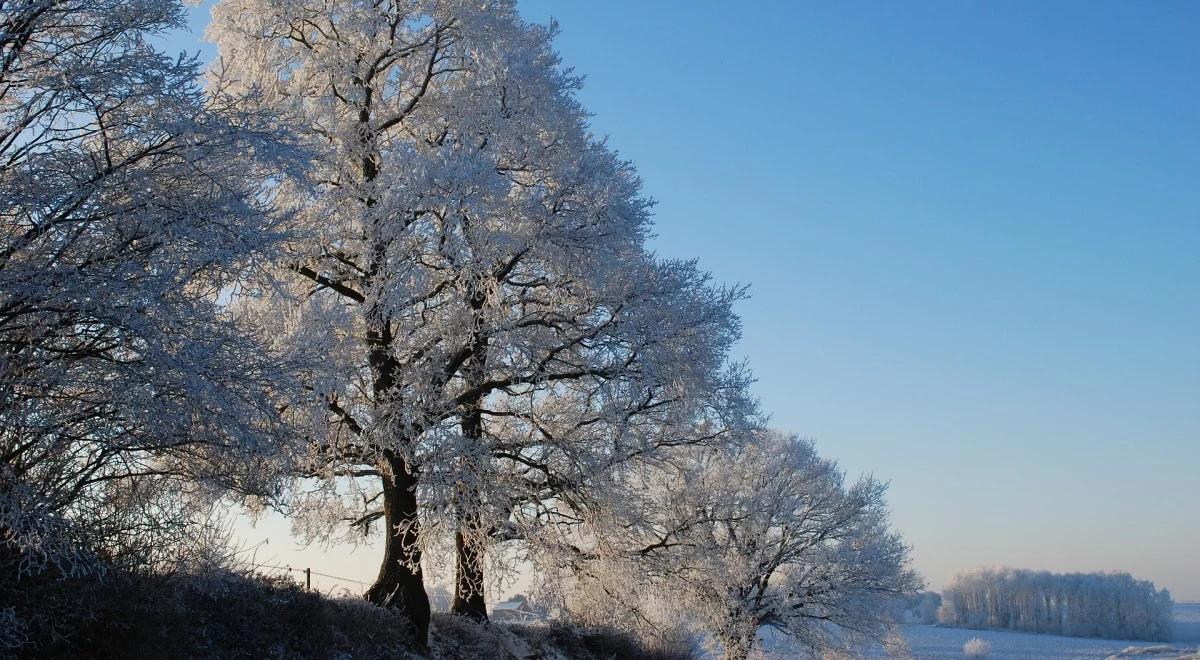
(224, 616)
(231, 615)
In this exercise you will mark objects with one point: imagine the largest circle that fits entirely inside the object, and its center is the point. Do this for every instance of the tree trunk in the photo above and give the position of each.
(469, 578)
(401, 584)
(468, 583)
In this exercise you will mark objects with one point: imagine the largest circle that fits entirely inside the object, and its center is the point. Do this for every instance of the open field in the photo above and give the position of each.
(931, 642)
(938, 642)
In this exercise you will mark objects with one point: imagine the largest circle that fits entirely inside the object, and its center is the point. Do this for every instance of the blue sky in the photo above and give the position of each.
(972, 234)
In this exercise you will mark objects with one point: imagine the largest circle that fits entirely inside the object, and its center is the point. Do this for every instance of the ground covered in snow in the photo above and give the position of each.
(938, 642)
(930, 642)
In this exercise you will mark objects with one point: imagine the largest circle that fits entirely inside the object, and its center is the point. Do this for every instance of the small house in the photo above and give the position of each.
(517, 609)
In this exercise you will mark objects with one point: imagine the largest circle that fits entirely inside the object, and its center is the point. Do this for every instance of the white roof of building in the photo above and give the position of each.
(511, 605)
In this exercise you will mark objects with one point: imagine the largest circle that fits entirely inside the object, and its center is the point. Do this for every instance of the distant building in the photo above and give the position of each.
(517, 609)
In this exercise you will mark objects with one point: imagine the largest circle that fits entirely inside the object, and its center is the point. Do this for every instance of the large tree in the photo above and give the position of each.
(449, 155)
(650, 378)
(477, 270)
(131, 204)
(762, 535)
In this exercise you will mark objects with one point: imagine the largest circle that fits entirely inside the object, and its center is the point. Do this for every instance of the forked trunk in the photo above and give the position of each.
(400, 584)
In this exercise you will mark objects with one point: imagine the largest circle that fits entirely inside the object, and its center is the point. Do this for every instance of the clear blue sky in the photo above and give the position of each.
(973, 237)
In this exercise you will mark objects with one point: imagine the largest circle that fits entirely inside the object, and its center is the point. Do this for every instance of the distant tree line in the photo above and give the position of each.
(1109, 605)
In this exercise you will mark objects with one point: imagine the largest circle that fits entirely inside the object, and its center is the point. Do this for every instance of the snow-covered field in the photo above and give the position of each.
(1187, 622)
(937, 642)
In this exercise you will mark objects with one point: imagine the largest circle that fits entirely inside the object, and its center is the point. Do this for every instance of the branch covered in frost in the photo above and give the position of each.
(134, 206)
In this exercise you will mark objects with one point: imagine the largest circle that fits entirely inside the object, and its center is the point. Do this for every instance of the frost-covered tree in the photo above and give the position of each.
(131, 204)
(1111, 605)
(478, 281)
(388, 94)
(549, 452)
(768, 534)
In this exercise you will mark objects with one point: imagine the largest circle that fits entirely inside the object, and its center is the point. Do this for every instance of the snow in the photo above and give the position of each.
(1187, 622)
(931, 642)
(925, 641)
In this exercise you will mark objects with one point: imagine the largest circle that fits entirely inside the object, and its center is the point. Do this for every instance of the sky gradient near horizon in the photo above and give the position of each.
(972, 234)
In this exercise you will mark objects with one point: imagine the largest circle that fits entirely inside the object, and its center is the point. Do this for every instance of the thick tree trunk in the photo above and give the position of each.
(469, 577)
(468, 583)
(401, 584)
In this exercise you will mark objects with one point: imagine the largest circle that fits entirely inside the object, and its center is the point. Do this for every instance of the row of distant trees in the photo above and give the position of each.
(378, 273)
(1110, 605)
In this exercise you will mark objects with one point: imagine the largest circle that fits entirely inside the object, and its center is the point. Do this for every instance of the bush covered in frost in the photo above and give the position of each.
(976, 648)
